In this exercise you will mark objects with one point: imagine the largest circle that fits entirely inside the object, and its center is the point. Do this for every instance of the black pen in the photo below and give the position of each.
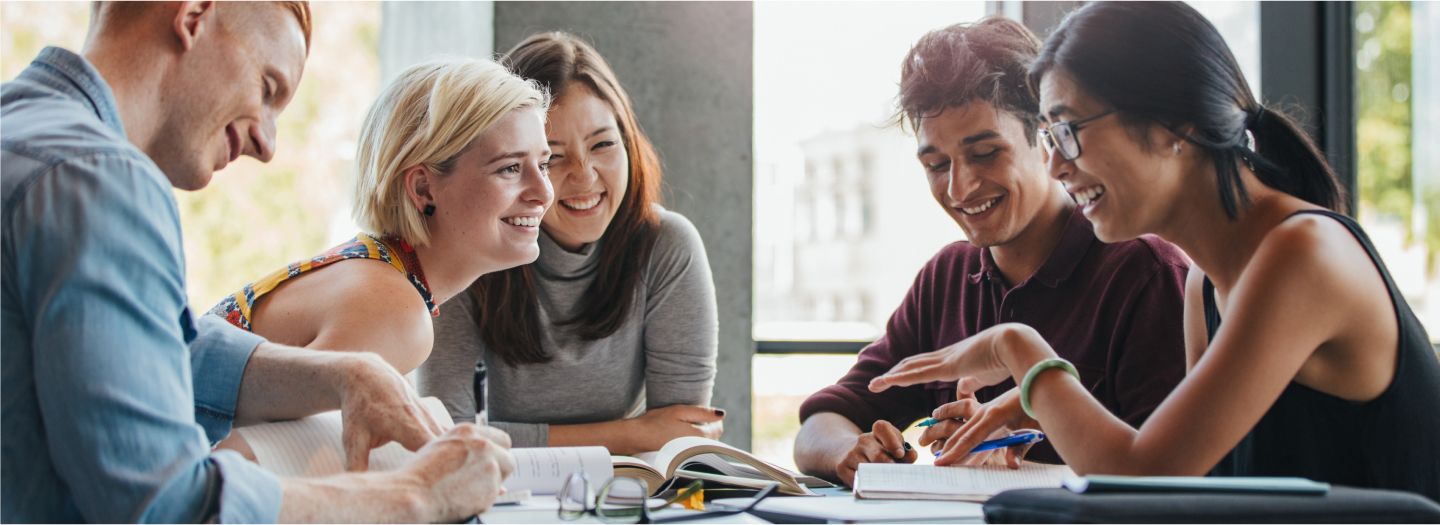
(479, 385)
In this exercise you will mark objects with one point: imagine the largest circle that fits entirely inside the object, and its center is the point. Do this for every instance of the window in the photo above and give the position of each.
(843, 216)
(1396, 96)
(255, 218)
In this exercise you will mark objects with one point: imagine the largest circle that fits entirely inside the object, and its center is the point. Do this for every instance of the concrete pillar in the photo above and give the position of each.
(688, 70)
(413, 31)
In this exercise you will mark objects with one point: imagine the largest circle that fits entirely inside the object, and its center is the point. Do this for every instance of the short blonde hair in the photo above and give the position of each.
(429, 115)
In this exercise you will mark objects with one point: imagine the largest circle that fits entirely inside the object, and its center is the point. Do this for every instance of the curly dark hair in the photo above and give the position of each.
(986, 60)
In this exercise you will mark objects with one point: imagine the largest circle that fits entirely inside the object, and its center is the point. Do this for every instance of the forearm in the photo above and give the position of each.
(354, 498)
(1087, 436)
(613, 435)
(824, 440)
(283, 382)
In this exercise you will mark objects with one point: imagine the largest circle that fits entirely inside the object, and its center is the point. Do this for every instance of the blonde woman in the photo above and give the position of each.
(451, 185)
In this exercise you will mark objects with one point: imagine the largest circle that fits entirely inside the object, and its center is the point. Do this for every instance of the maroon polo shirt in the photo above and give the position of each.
(1114, 310)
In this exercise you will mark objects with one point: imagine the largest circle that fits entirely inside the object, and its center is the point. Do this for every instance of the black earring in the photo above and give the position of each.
(429, 210)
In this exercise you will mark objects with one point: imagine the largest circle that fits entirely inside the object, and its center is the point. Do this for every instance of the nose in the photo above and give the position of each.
(537, 188)
(585, 173)
(960, 183)
(1059, 167)
(258, 139)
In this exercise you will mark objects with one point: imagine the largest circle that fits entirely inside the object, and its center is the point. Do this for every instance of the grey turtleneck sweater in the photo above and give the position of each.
(663, 355)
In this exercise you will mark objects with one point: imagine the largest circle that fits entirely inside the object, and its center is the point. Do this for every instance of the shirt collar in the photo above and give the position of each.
(1064, 257)
(69, 73)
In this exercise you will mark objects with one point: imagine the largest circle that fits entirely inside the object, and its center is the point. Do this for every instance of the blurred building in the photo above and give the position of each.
(841, 235)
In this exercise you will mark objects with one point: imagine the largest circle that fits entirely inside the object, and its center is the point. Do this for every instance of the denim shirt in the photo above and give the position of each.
(112, 396)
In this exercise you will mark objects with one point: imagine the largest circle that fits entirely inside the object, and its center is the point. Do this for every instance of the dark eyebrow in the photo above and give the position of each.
(983, 135)
(925, 150)
(1059, 110)
(599, 131)
(510, 155)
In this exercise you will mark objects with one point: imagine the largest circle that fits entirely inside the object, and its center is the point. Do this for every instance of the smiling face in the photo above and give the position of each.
(1124, 188)
(984, 172)
(491, 202)
(227, 91)
(589, 168)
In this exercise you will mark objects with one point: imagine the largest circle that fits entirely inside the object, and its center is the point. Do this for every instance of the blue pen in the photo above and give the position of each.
(1020, 437)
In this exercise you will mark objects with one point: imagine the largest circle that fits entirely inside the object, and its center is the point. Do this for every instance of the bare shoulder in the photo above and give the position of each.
(1310, 246)
(370, 306)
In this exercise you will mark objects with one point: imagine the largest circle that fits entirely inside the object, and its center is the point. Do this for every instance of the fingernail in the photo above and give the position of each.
(908, 447)
(720, 412)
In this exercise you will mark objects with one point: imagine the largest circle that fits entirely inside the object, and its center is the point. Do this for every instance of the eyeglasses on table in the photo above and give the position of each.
(623, 499)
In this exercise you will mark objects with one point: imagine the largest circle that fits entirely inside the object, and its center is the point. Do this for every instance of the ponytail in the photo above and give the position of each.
(1286, 159)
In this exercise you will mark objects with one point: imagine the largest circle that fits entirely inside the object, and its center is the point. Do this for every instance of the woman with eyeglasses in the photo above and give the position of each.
(1303, 358)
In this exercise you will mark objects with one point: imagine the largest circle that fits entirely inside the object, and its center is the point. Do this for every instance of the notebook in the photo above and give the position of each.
(929, 482)
(1097, 483)
(847, 509)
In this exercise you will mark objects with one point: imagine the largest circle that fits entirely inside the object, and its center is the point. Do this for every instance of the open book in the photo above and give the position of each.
(710, 460)
(312, 447)
(929, 482)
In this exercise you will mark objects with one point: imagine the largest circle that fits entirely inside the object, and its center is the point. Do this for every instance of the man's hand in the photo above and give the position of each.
(655, 428)
(461, 472)
(379, 406)
(981, 422)
(883, 444)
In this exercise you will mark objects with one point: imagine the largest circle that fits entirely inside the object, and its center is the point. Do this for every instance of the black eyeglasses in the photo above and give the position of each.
(623, 500)
(1062, 136)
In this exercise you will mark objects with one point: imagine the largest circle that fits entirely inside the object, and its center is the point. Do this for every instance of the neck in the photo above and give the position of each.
(447, 272)
(134, 69)
(1220, 246)
(1026, 253)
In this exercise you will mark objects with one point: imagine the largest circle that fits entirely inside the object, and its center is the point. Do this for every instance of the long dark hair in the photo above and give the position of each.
(1164, 63)
(507, 310)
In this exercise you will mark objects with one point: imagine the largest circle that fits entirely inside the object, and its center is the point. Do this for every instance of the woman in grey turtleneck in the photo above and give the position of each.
(610, 337)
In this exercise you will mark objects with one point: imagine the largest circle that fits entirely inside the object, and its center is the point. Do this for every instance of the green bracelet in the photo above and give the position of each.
(1042, 366)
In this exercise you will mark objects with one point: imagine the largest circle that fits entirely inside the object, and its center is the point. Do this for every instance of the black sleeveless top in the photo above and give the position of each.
(1390, 442)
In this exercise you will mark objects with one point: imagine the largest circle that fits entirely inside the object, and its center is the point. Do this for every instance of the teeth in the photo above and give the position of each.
(582, 205)
(980, 208)
(1089, 195)
(522, 221)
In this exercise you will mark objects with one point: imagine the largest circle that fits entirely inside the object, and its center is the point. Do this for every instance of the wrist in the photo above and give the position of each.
(414, 501)
(1019, 348)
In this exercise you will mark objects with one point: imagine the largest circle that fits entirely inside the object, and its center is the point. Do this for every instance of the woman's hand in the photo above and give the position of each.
(974, 363)
(982, 422)
(655, 428)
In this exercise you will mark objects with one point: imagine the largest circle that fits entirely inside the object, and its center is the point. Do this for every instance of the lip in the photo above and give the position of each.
(1089, 207)
(527, 228)
(999, 200)
(593, 210)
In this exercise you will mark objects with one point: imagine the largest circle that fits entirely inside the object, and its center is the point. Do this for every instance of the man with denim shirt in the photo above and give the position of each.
(112, 392)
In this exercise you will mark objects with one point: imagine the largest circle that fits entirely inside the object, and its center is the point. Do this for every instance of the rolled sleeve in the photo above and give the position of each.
(851, 397)
(97, 245)
(217, 362)
(251, 494)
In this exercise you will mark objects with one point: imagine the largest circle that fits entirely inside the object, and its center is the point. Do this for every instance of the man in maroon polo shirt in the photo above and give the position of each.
(1114, 310)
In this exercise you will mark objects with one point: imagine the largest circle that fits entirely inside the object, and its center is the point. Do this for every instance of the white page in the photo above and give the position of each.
(987, 480)
(312, 447)
(543, 470)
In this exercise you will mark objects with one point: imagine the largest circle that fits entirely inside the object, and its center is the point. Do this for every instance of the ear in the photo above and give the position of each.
(193, 19)
(417, 186)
